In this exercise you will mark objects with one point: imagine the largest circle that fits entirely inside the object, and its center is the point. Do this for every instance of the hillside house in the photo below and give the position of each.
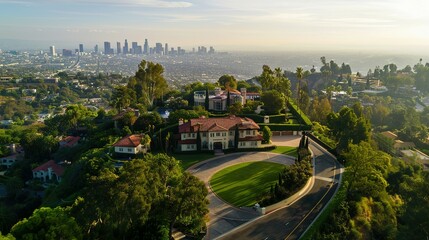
(219, 133)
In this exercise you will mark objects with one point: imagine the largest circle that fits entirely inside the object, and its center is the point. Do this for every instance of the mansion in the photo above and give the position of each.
(218, 98)
(218, 133)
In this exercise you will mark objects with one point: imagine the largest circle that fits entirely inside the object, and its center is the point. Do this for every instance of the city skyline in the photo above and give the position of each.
(389, 25)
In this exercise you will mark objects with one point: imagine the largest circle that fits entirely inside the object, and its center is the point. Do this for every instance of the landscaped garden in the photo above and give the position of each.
(286, 150)
(242, 184)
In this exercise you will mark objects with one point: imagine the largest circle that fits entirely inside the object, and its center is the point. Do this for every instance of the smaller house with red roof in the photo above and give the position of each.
(219, 133)
(69, 141)
(48, 171)
(131, 144)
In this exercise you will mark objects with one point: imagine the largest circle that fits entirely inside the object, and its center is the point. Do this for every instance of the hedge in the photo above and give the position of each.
(298, 113)
(285, 127)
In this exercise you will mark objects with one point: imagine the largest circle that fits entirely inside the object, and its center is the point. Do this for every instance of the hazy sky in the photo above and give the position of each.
(359, 25)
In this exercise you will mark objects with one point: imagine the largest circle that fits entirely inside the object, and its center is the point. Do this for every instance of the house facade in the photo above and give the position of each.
(8, 161)
(130, 144)
(48, 171)
(218, 98)
(219, 133)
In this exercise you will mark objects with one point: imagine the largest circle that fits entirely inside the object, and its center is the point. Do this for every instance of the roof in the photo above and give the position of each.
(389, 134)
(217, 124)
(70, 141)
(129, 141)
(57, 169)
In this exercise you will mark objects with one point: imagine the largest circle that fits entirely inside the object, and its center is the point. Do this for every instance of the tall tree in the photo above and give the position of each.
(228, 82)
(149, 82)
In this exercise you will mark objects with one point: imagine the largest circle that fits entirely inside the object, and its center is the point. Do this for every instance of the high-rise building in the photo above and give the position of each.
(146, 47)
(158, 48)
(126, 49)
(118, 47)
(81, 48)
(96, 49)
(166, 49)
(107, 48)
(136, 48)
(67, 53)
(52, 51)
(211, 50)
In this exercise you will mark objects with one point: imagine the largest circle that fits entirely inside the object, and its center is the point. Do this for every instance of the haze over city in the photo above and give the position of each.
(382, 26)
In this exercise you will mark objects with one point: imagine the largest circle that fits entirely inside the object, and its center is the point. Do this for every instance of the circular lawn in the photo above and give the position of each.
(244, 183)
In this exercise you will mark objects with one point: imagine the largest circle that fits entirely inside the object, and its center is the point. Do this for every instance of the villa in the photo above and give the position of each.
(131, 144)
(218, 133)
(48, 171)
(218, 98)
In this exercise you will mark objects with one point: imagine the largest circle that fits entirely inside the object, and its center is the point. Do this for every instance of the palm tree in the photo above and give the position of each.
(299, 76)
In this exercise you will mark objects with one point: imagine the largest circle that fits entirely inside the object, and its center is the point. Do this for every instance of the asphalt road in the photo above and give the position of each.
(291, 222)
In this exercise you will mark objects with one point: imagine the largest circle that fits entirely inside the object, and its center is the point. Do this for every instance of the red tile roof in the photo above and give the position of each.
(129, 141)
(57, 169)
(217, 124)
(70, 141)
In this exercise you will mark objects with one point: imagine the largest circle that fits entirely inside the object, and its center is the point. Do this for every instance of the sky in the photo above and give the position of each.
(245, 25)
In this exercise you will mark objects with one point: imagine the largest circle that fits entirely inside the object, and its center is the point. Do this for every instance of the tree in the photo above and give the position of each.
(149, 82)
(48, 223)
(228, 82)
(228, 100)
(122, 97)
(273, 102)
(299, 76)
(187, 204)
(266, 134)
(207, 102)
(235, 108)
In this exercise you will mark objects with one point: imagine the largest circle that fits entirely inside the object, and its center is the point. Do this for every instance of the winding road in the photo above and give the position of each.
(289, 222)
(292, 221)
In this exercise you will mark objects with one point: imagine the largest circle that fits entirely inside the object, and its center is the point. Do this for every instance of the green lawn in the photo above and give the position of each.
(243, 184)
(291, 151)
(189, 159)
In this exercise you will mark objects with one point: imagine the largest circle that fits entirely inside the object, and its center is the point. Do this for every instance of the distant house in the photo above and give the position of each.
(48, 171)
(219, 133)
(69, 141)
(400, 145)
(389, 134)
(8, 161)
(130, 144)
(218, 98)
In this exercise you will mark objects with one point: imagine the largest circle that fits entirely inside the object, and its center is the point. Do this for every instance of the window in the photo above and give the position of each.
(129, 150)
(211, 134)
(218, 106)
(193, 135)
(254, 132)
(204, 134)
(189, 135)
(217, 134)
(224, 134)
(247, 132)
(121, 149)
(188, 146)
(231, 133)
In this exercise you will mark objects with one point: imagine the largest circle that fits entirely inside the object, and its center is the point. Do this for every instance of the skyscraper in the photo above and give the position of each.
(126, 49)
(81, 48)
(96, 49)
(136, 48)
(146, 47)
(158, 48)
(166, 49)
(52, 51)
(107, 48)
(118, 47)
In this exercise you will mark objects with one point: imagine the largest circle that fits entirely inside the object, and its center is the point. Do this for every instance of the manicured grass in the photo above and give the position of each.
(291, 151)
(244, 183)
(189, 159)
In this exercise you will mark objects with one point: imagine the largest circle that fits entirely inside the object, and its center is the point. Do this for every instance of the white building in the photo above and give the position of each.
(218, 98)
(130, 144)
(219, 133)
(48, 171)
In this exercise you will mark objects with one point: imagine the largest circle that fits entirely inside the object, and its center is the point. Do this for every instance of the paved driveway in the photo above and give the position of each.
(223, 217)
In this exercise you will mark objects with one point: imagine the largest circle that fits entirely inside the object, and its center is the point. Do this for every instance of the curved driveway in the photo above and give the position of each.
(223, 217)
(292, 221)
